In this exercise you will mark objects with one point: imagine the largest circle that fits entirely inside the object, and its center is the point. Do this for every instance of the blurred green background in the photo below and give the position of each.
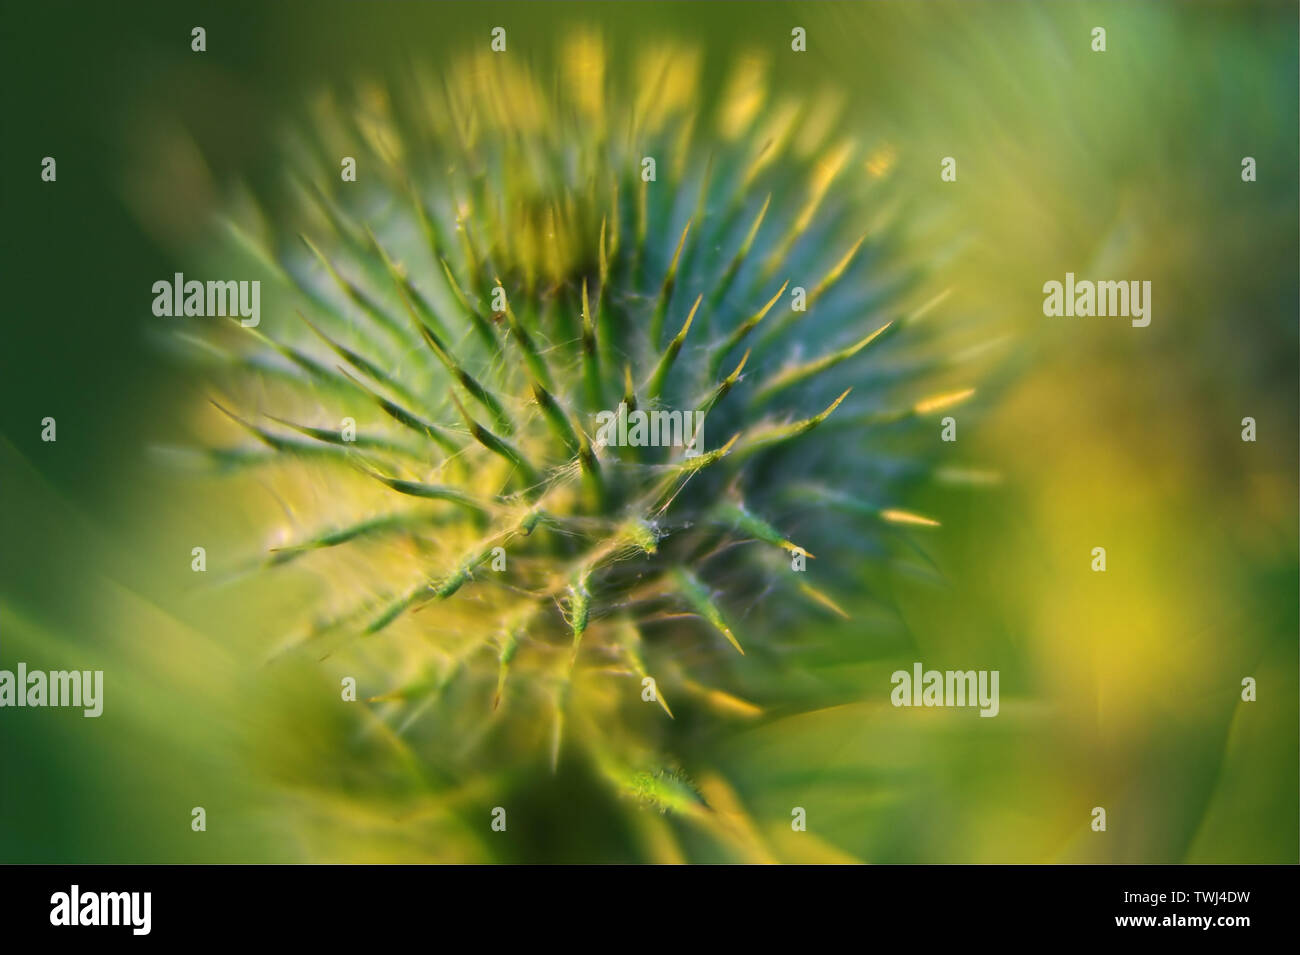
(1119, 690)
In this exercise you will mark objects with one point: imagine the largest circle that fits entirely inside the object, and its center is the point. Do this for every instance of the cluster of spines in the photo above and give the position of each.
(486, 403)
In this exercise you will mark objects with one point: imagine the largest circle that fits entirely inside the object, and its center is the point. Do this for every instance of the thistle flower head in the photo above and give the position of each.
(460, 344)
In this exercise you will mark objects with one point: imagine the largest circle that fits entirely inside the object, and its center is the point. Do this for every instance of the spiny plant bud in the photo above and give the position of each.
(632, 390)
